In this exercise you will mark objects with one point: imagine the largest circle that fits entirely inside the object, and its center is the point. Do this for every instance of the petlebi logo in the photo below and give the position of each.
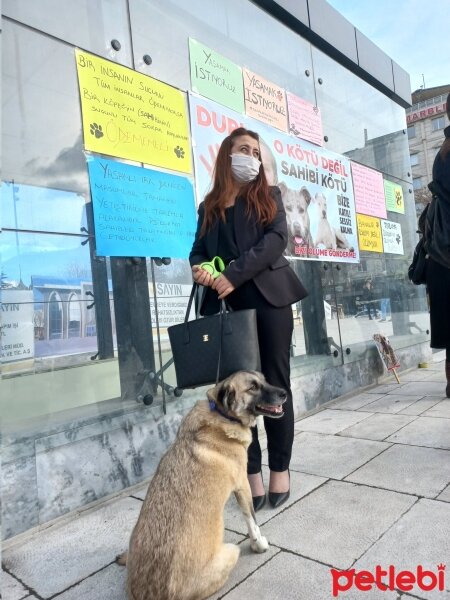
(388, 579)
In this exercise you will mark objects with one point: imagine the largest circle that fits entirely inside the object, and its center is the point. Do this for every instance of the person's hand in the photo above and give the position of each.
(201, 276)
(222, 286)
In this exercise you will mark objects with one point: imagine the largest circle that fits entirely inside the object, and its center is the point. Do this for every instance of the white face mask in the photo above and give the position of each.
(244, 168)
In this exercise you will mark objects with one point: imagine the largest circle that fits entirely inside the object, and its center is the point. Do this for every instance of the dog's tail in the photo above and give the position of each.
(121, 559)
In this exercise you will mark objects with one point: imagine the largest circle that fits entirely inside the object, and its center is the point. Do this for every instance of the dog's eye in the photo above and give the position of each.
(253, 387)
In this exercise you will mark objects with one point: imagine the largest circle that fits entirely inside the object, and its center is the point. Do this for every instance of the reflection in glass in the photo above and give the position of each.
(360, 121)
(223, 26)
(89, 25)
(74, 325)
(55, 324)
(41, 208)
(41, 113)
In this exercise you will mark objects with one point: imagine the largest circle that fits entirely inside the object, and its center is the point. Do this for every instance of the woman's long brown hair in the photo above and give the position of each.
(256, 193)
(445, 148)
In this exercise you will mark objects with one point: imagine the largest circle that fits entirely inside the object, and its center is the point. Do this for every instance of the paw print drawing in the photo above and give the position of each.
(179, 151)
(279, 96)
(96, 130)
(398, 197)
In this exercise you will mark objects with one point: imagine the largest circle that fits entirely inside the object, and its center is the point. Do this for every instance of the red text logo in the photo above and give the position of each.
(388, 579)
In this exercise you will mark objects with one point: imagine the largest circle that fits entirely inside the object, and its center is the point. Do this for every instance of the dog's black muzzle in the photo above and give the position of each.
(270, 402)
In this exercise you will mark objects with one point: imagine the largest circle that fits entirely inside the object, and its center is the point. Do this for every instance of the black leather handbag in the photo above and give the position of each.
(417, 271)
(210, 349)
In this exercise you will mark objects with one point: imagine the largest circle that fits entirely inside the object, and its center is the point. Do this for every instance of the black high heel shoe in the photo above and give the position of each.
(258, 502)
(276, 499)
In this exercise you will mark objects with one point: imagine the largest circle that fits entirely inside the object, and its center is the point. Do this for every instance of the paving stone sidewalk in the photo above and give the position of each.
(370, 479)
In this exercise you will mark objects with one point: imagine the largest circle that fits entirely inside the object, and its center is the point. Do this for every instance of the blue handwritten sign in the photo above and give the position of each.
(141, 212)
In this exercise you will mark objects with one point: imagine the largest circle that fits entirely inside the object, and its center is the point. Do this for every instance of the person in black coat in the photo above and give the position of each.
(243, 221)
(438, 267)
(367, 296)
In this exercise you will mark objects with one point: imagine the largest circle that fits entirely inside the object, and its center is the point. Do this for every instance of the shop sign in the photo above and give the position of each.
(132, 116)
(425, 113)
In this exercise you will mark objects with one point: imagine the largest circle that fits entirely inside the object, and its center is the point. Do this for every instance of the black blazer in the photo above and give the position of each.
(261, 255)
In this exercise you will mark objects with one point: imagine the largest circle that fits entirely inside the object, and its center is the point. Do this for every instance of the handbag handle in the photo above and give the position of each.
(194, 294)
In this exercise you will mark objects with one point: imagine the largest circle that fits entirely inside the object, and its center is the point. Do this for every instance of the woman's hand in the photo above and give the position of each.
(201, 276)
(222, 286)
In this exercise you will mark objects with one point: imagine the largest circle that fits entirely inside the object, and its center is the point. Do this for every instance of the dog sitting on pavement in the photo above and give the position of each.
(176, 550)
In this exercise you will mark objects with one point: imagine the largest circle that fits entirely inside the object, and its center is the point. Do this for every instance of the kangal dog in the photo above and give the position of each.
(176, 550)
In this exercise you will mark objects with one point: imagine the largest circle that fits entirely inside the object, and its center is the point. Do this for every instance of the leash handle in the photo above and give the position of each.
(215, 267)
(223, 312)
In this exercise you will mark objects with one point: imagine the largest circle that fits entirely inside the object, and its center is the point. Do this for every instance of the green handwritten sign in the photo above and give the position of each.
(216, 77)
(393, 194)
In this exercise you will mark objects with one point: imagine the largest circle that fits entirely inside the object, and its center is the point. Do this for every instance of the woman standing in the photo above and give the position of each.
(438, 267)
(243, 221)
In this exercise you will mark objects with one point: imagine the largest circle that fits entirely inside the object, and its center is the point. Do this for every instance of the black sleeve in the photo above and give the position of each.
(441, 176)
(198, 252)
(269, 248)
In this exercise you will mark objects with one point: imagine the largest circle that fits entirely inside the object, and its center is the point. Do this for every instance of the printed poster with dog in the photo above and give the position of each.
(316, 184)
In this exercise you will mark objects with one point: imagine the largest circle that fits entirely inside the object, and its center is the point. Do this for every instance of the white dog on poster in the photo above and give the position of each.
(327, 236)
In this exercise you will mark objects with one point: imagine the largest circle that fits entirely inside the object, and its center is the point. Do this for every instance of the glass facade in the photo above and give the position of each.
(88, 342)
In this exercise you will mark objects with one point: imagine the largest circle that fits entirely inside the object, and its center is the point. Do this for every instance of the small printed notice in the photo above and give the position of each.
(216, 77)
(132, 116)
(265, 101)
(392, 237)
(305, 120)
(141, 212)
(369, 234)
(17, 326)
(393, 193)
(172, 301)
(369, 191)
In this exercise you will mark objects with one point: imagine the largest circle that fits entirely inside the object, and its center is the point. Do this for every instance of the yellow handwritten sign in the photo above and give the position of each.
(369, 233)
(130, 115)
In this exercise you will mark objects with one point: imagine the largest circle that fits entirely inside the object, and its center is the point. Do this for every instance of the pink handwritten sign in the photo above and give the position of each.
(368, 189)
(264, 100)
(305, 120)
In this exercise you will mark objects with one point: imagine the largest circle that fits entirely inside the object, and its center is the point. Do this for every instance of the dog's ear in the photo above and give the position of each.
(283, 187)
(226, 395)
(306, 194)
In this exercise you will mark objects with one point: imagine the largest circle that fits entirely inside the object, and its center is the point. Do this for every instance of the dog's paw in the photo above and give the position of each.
(260, 545)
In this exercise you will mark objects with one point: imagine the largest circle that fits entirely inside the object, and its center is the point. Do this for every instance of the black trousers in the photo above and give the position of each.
(275, 326)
